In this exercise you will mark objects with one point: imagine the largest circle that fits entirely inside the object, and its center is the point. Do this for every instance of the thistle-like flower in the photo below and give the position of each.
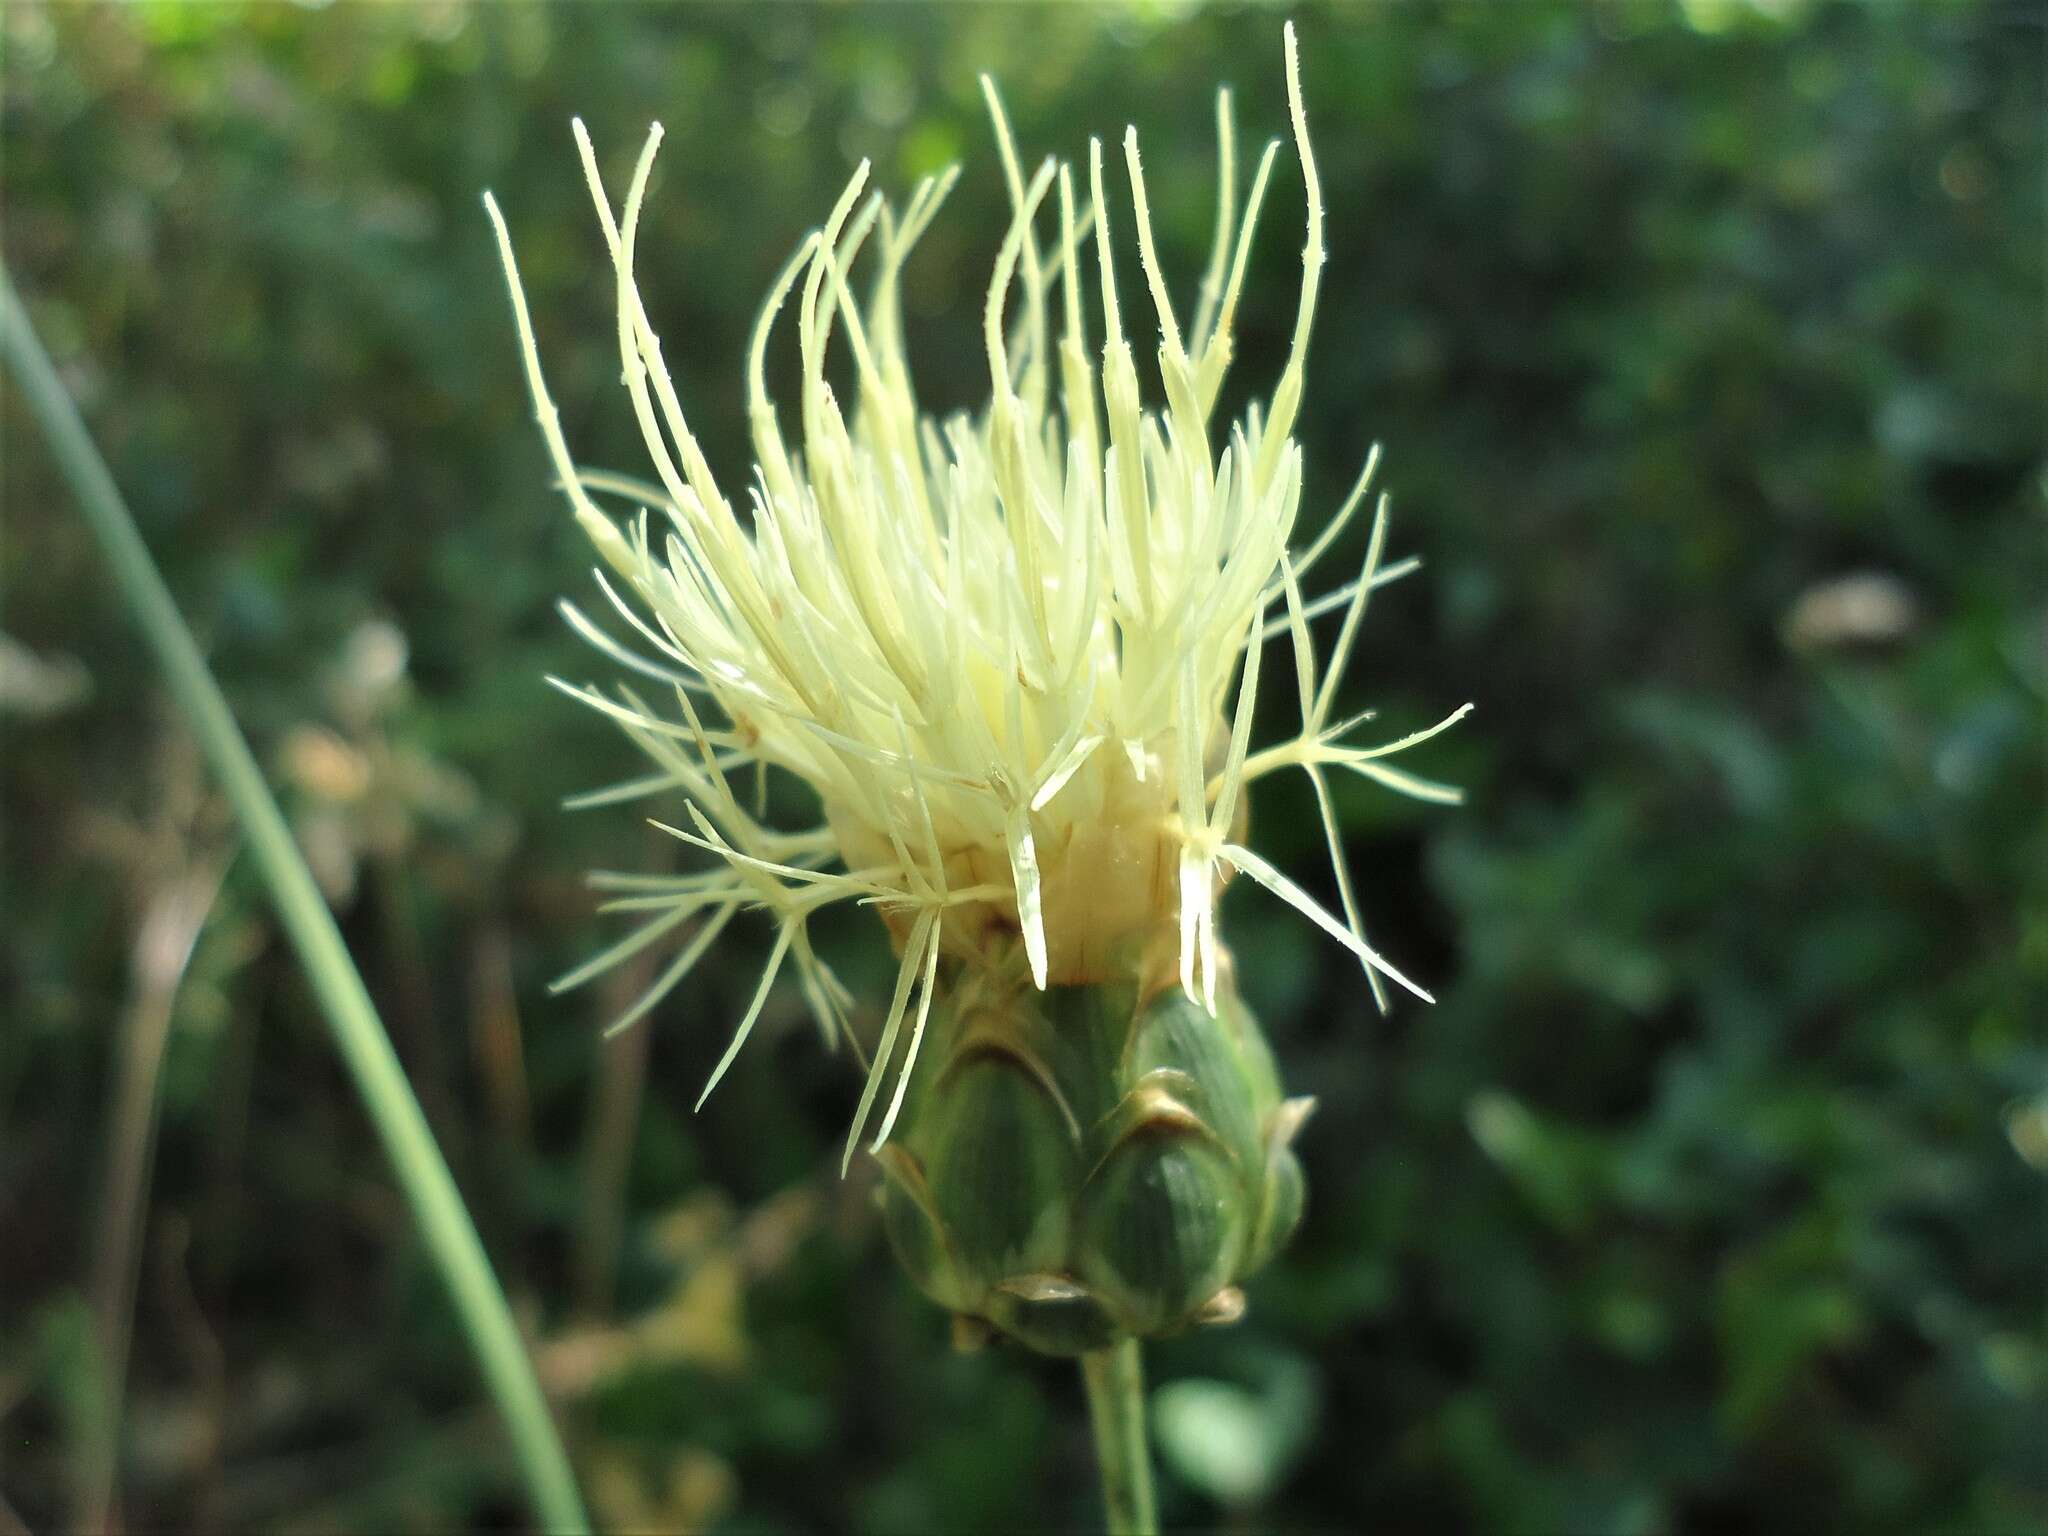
(1001, 649)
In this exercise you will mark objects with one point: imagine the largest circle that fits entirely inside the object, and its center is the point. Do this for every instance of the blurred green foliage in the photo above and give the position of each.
(1707, 343)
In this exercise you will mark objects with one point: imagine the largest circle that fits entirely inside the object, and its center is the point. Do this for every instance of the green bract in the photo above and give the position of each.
(1079, 1165)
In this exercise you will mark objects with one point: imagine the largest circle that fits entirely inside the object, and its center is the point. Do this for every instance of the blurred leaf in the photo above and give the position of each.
(1233, 1443)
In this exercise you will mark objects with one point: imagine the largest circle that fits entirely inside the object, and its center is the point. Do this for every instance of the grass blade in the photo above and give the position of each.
(444, 1221)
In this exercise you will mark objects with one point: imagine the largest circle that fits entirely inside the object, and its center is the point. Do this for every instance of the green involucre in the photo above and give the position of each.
(1080, 1166)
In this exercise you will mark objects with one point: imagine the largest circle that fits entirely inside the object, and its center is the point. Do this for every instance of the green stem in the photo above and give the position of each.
(437, 1207)
(1116, 1406)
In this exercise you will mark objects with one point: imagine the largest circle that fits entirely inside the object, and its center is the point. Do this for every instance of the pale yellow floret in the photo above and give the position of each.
(1000, 648)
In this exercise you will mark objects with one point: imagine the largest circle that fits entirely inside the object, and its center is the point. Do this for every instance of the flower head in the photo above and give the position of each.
(1015, 654)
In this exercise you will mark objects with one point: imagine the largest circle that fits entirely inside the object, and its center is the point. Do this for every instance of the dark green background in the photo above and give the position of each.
(1710, 1196)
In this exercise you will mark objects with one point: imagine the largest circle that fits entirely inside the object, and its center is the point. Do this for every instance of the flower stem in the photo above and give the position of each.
(443, 1220)
(1116, 1406)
